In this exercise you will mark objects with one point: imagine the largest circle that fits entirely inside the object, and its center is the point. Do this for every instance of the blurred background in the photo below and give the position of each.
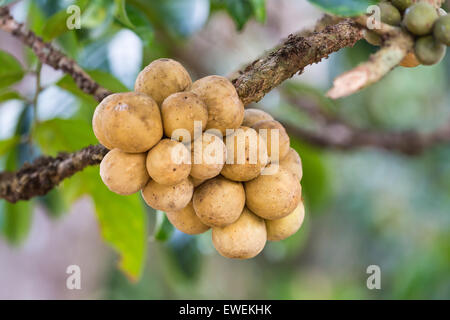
(363, 207)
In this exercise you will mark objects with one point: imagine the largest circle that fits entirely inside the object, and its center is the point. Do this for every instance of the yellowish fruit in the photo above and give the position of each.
(219, 202)
(97, 126)
(186, 220)
(168, 198)
(243, 239)
(180, 111)
(252, 116)
(273, 196)
(293, 163)
(161, 78)
(129, 121)
(208, 155)
(196, 181)
(246, 155)
(124, 173)
(283, 228)
(168, 162)
(267, 129)
(225, 109)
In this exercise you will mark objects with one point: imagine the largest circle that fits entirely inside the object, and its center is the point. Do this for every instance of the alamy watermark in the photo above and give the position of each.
(374, 280)
(73, 282)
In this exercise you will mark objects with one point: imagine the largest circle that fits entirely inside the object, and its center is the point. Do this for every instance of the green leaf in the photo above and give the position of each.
(108, 81)
(259, 10)
(345, 8)
(36, 18)
(9, 95)
(315, 185)
(121, 13)
(55, 26)
(57, 135)
(122, 219)
(242, 10)
(67, 83)
(142, 26)
(163, 227)
(16, 220)
(8, 144)
(54, 203)
(11, 70)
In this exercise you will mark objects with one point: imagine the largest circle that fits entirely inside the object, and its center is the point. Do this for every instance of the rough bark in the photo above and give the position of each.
(292, 57)
(49, 55)
(45, 173)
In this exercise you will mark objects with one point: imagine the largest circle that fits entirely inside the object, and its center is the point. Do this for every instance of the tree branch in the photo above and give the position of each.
(292, 57)
(336, 133)
(49, 55)
(45, 173)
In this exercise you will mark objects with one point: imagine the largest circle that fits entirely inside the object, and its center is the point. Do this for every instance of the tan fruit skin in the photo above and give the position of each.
(97, 125)
(293, 163)
(197, 182)
(252, 116)
(273, 196)
(161, 78)
(168, 198)
(245, 171)
(211, 163)
(186, 220)
(243, 239)
(225, 109)
(130, 121)
(284, 141)
(160, 166)
(283, 228)
(180, 110)
(124, 173)
(219, 202)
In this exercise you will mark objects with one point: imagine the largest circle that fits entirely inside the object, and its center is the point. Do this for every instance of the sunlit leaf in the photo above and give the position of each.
(315, 186)
(122, 219)
(16, 220)
(259, 9)
(121, 13)
(36, 18)
(242, 10)
(57, 135)
(54, 203)
(11, 70)
(108, 81)
(55, 26)
(346, 8)
(8, 144)
(142, 26)
(9, 95)
(163, 228)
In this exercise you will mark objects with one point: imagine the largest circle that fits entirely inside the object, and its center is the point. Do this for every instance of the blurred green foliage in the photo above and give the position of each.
(362, 207)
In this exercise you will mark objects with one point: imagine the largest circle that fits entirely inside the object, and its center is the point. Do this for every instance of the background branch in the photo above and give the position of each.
(251, 83)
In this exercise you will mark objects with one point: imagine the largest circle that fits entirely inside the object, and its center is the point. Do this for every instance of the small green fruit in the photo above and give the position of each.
(429, 51)
(441, 30)
(389, 14)
(419, 18)
(372, 38)
(402, 4)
